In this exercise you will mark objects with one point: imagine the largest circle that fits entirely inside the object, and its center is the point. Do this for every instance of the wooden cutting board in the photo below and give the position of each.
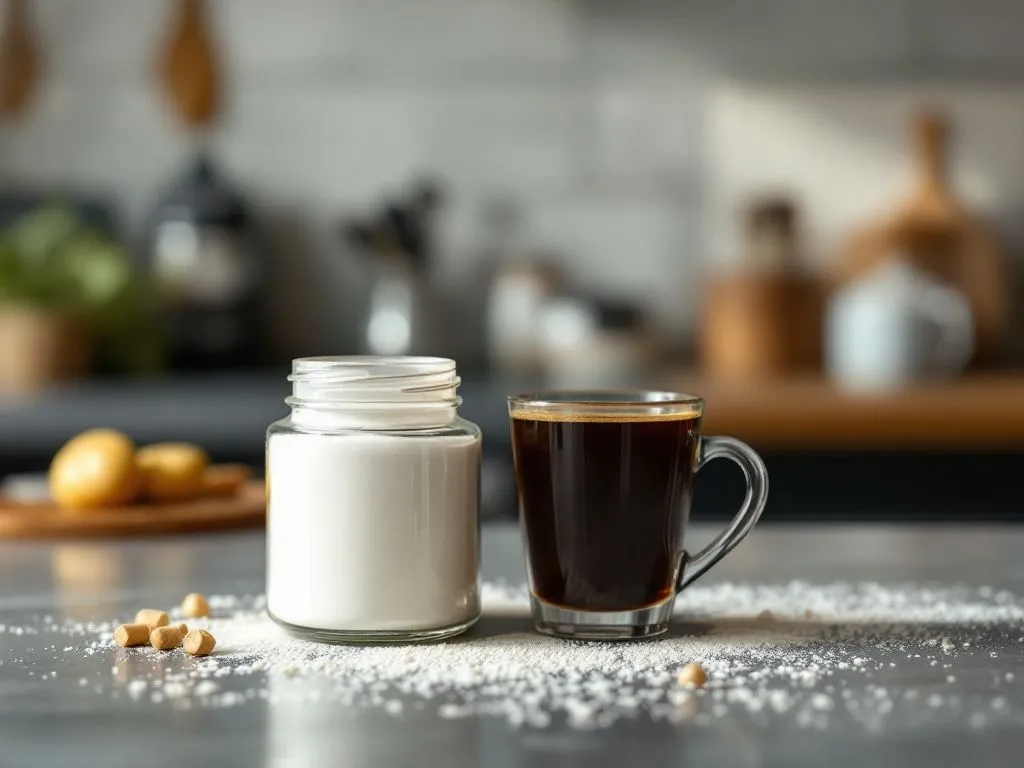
(42, 519)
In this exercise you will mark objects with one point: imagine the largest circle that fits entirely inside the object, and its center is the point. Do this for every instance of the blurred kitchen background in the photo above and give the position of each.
(809, 211)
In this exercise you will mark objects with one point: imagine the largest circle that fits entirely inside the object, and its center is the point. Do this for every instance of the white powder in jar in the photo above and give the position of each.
(371, 531)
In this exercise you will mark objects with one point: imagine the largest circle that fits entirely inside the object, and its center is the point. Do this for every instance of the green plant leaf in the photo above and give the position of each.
(50, 259)
(97, 267)
(37, 235)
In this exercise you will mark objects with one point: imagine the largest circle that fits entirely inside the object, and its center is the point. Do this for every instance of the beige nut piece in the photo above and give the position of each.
(183, 628)
(195, 606)
(153, 617)
(128, 635)
(692, 676)
(165, 638)
(199, 643)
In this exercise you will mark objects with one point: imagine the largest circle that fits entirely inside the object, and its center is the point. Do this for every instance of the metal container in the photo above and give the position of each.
(205, 256)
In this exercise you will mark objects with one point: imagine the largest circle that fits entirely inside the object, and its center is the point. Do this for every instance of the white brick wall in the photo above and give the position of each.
(590, 111)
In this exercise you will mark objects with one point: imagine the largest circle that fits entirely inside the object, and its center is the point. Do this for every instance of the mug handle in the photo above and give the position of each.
(753, 505)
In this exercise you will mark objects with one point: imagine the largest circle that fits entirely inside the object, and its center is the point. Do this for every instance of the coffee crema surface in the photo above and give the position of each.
(604, 500)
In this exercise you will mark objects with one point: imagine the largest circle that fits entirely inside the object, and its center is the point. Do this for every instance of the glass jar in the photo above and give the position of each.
(373, 496)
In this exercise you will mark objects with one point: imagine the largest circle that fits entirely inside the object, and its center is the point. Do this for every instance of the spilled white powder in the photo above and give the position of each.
(800, 651)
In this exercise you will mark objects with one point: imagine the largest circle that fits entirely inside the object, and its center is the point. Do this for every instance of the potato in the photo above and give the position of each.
(94, 469)
(225, 479)
(172, 471)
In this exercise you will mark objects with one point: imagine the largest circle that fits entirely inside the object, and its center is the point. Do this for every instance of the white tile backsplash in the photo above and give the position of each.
(460, 36)
(112, 141)
(642, 38)
(282, 40)
(117, 40)
(513, 139)
(641, 132)
(325, 148)
(630, 245)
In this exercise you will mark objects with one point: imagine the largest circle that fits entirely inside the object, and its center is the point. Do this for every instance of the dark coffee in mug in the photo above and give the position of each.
(604, 500)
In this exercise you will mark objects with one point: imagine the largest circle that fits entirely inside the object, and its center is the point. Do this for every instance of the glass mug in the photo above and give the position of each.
(604, 482)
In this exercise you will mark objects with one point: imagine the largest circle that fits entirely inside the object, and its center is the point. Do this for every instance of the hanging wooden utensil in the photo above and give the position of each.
(19, 60)
(935, 232)
(188, 69)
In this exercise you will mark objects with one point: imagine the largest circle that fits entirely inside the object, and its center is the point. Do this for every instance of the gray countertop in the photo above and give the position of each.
(66, 720)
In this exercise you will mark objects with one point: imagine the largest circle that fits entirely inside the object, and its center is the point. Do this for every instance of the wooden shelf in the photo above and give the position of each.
(980, 412)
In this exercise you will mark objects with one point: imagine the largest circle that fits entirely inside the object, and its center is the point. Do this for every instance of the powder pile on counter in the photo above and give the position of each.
(795, 650)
